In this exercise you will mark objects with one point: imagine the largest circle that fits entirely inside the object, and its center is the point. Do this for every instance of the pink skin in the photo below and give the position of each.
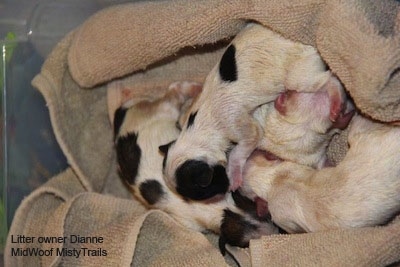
(338, 116)
(261, 207)
(261, 204)
(239, 155)
(332, 92)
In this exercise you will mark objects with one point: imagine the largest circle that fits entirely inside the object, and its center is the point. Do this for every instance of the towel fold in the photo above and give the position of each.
(145, 46)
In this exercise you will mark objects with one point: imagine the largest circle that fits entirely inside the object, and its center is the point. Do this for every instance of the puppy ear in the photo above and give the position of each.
(164, 148)
(341, 111)
(186, 89)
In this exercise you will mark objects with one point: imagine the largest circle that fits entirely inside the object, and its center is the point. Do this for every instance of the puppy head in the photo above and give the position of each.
(191, 170)
(299, 125)
(195, 164)
(323, 110)
(143, 123)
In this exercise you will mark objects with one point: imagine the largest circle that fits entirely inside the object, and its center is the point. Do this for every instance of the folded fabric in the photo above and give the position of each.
(145, 46)
(359, 40)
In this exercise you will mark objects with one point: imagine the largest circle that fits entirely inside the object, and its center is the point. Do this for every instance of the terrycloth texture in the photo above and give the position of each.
(141, 44)
(358, 39)
(378, 246)
(62, 208)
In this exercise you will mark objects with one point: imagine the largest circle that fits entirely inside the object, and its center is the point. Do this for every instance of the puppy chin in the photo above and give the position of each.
(197, 180)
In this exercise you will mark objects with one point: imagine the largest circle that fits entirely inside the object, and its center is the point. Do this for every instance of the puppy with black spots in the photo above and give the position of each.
(362, 190)
(144, 128)
(221, 131)
(142, 134)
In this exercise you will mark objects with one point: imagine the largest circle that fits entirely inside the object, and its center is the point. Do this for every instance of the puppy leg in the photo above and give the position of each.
(241, 152)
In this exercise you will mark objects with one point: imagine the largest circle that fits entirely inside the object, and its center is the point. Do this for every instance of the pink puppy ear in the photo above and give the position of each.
(340, 112)
(337, 97)
(186, 89)
(281, 102)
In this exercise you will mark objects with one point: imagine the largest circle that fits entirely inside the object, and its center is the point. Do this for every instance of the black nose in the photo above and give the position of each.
(198, 181)
(194, 173)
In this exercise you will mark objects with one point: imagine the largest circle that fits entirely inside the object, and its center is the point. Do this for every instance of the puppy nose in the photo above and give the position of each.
(197, 180)
(195, 172)
(204, 179)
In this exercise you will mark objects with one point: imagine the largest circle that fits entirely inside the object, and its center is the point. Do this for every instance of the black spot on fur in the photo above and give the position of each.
(250, 207)
(245, 204)
(119, 117)
(151, 191)
(164, 150)
(198, 181)
(234, 228)
(227, 65)
(191, 119)
(128, 157)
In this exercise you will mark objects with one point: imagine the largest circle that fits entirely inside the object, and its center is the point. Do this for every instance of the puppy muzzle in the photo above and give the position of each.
(197, 180)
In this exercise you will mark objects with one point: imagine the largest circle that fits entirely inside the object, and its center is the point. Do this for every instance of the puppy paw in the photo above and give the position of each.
(236, 162)
(235, 176)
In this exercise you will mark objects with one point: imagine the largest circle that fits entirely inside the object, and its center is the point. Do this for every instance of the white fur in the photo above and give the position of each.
(155, 124)
(267, 64)
(363, 190)
(302, 133)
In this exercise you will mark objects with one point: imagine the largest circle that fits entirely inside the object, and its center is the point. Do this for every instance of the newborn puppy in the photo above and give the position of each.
(299, 126)
(141, 131)
(363, 190)
(256, 67)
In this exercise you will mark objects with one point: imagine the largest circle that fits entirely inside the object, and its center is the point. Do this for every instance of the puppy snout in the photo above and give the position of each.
(197, 172)
(197, 180)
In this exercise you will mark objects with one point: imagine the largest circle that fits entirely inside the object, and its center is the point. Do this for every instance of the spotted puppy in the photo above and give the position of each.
(220, 131)
(362, 190)
(144, 128)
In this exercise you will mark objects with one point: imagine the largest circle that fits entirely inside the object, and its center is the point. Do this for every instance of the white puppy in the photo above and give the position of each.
(147, 126)
(299, 126)
(363, 190)
(257, 66)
